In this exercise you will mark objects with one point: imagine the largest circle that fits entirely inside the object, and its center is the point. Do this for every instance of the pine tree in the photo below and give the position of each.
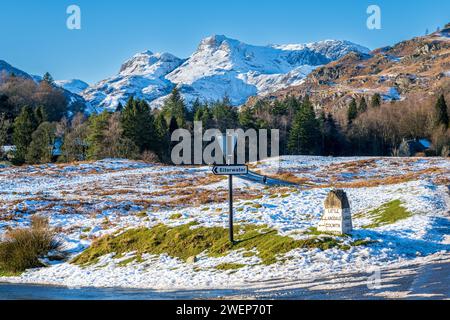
(204, 115)
(4, 128)
(119, 108)
(42, 144)
(173, 125)
(174, 107)
(376, 100)
(304, 137)
(247, 119)
(48, 78)
(224, 115)
(332, 137)
(40, 114)
(362, 105)
(24, 126)
(442, 112)
(163, 138)
(137, 123)
(195, 107)
(352, 112)
(98, 125)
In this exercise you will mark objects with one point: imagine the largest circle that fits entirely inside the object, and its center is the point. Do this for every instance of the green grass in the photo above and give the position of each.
(229, 266)
(176, 216)
(142, 214)
(388, 213)
(5, 274)
(126, 262)
(24, 248)
(249, 254)
(190, 240)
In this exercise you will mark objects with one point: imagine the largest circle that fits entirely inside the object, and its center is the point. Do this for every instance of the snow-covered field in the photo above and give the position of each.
(88, 200)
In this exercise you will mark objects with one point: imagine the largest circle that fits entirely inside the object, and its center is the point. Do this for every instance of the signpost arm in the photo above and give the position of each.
(230, 201)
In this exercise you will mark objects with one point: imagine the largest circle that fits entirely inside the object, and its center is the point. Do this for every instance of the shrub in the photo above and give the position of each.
(150, 157)
(23, 248)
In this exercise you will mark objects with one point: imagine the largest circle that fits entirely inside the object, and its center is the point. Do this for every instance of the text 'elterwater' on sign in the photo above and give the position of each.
(230, 170)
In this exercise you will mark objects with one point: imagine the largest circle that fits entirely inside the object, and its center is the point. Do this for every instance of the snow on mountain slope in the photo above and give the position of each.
(331, 49)
(74, 85)
(142, 76)
(219, 67)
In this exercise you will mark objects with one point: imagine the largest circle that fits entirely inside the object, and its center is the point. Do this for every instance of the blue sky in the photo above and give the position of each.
(34, 36)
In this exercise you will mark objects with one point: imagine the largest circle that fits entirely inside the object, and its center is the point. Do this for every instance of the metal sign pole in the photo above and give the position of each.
(230, 201)
(228, 143)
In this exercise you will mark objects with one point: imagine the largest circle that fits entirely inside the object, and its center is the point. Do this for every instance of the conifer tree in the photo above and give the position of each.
(442, 112)
(195, 107)
(304, 137)
(137, 123)
(247, 119)
(376, 100)
(40, 114)
(332, 137)
(48, 78)
(162, 137)
(42, 144)
(98, 125)
(352, 111)
(24, 126)
(4, 128)
(119, 107)
(173, 125)
(174, 107)
(362, 105)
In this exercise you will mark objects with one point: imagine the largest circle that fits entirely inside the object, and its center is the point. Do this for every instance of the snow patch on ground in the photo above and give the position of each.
(113, 190)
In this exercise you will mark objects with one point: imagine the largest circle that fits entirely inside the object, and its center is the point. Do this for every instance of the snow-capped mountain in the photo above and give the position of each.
(219, 67)
(74, 85)
(143, 76)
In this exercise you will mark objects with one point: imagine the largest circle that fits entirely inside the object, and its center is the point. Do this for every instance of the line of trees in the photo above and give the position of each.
(135, 131)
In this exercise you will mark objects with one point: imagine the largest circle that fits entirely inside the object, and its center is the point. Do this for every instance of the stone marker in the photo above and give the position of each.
(337, 218)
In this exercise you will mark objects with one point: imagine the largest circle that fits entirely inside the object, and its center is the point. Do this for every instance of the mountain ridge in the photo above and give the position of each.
(221, 66)
(417, 65)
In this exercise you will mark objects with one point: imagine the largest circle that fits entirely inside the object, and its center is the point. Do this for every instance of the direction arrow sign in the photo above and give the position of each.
(230, 170)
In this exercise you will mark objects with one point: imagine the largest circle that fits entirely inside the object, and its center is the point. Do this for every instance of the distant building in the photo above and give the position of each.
(337, 218)
(411, 148)
(6, 152)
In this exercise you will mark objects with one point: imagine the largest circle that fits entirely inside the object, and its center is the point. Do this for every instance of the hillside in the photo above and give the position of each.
(70, 88)
(420, 65)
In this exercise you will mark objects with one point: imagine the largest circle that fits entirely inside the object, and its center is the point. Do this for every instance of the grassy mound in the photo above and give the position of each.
(388, 213)
(24, 247)
(191, 240)
(229, 266)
